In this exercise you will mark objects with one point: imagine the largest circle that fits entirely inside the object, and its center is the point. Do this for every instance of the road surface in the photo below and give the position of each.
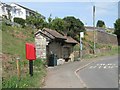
(95, 73)
(64, 76)
(101, 74)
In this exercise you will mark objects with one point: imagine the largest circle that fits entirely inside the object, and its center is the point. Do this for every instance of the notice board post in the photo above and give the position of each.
(81, 44)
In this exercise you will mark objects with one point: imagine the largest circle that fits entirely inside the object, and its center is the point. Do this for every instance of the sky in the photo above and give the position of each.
(104, 10)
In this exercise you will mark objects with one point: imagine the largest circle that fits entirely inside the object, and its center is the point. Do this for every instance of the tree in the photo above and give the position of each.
(58, 24)
(37, 20)
(49, 21)
(74, 27)
(100, 23)
(49, 18)
(117, 30)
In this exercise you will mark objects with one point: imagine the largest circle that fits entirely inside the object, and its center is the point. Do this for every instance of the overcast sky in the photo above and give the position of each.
(106, 11)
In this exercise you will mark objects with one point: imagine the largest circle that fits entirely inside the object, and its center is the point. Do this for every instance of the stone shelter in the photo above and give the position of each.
(49, 42)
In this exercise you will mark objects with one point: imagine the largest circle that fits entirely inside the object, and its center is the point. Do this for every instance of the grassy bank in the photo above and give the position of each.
(112, 51)
(104, 46)
(13, 46)
(25, 80)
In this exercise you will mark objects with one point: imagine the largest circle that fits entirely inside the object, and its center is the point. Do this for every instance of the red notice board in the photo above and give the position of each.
(30, 51)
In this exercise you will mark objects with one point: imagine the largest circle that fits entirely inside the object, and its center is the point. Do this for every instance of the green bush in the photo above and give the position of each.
(20, 21)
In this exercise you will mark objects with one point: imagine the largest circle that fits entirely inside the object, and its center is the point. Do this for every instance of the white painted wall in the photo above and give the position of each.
(17, 11)
(3, 10)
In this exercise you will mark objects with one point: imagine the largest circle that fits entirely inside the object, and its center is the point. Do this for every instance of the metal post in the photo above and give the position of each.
(31, 67)
(94, 29)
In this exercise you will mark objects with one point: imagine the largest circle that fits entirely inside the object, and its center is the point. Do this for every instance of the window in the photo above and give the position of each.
(14, 11)
(20, 13)
(3, 8)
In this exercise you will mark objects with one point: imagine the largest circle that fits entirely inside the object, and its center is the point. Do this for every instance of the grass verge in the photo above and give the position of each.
(113, 51)
(36, 81)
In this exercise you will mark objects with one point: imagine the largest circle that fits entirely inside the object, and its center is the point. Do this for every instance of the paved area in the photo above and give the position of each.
(64, 76)
(101, 74)
(71, 75)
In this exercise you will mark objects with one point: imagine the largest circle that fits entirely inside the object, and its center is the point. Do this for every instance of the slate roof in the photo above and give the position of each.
(70, 40)
(43, 33)
(54, 33)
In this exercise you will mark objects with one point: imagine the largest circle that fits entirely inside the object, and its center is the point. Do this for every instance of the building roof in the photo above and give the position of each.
(54, 33)
(45, 34)
(24, 7)
(70, 40)
(111, 29)
(90, 28)
(5, 5)
(32, 11)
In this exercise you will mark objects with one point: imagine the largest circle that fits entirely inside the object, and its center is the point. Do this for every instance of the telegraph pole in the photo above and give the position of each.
(94, 29)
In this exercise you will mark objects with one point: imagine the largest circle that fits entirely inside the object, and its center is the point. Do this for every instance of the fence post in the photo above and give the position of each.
(18, 67)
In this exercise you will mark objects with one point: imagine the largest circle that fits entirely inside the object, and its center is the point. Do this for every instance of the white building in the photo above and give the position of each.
(15, 10)
(20, 11)
(5, 10)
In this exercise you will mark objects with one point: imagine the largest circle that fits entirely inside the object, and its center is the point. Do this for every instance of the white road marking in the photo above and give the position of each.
(111, 67)
(104, 66)
(100, 66)
(114, 64)
(91, 67)
(94, 66)
(83, 83)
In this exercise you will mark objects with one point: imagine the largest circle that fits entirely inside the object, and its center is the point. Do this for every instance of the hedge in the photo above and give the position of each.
(19, 21)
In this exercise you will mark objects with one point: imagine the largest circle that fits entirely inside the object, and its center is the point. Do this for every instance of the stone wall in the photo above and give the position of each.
(102, 37)
(40, 43)
(105, 38)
